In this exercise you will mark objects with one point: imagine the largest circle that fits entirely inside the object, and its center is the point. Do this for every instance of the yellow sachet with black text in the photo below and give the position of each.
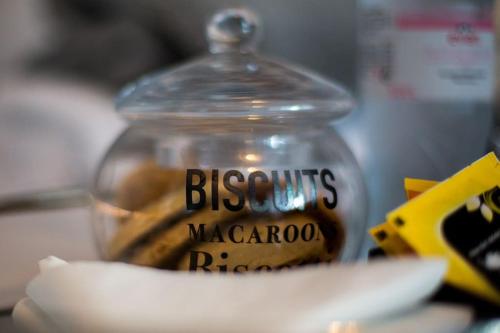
(386, 236)
(459, 219)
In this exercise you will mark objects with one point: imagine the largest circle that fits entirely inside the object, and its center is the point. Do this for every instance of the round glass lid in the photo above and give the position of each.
(233, 81)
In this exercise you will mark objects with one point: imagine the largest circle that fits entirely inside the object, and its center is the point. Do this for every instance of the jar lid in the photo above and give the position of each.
(234, 82)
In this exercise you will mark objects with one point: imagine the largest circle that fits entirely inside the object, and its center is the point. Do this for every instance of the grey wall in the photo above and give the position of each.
(315, 33)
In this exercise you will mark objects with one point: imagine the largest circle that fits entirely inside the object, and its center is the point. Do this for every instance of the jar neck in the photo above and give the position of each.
(233, 125)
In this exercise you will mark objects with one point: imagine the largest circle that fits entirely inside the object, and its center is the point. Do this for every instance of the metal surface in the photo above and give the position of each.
(47, 200)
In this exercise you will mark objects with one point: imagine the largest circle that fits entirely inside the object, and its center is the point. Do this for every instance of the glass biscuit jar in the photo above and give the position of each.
(230, 164)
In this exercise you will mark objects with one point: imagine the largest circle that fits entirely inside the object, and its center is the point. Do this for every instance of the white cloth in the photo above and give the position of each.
(115, 297)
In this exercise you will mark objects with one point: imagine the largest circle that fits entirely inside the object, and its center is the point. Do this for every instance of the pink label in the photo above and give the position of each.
(446, 54)
(426, 21)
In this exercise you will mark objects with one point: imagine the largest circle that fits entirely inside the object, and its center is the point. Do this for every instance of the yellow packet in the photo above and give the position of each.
(385, 236)
(414, 187)
(459, 219)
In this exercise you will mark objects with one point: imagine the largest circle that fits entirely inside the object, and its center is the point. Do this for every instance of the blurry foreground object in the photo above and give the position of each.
(459, 219)
(94, 297)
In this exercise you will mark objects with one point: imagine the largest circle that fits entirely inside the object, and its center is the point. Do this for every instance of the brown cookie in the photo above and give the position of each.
(141, 223)
(147, 183)
(160, 214)
(164, 248)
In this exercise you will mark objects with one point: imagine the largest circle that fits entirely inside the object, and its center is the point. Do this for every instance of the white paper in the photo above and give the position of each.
(115, 297)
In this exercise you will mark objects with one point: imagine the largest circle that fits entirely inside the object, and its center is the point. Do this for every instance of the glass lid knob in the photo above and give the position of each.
(233, 30)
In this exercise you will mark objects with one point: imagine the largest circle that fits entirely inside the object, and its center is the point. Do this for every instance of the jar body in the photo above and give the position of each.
(229, 197)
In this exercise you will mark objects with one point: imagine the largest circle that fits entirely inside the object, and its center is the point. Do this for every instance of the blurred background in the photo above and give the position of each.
(425, 101)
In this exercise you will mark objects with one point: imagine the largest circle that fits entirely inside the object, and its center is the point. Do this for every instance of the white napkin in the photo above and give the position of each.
(114, 297)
